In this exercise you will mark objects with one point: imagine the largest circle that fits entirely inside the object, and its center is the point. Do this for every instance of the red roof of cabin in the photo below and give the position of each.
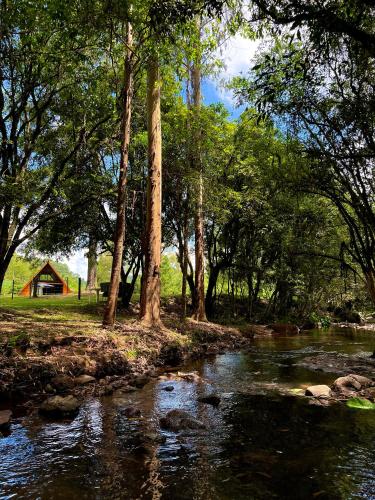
(47, 268)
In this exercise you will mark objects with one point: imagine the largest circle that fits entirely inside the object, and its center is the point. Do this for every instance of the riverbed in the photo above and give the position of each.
(263, 441)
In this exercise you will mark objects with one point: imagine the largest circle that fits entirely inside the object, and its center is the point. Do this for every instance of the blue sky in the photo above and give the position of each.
(212, 94)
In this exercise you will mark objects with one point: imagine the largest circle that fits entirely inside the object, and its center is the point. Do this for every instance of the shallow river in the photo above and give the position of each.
(259, 444)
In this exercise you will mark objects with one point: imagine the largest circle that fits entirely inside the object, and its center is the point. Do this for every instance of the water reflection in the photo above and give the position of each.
(258, 444)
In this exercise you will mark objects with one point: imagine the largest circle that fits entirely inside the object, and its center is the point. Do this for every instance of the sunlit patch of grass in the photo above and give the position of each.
(131, 354)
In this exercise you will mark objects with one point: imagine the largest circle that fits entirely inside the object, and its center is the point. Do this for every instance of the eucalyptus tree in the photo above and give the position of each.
(150, 294)
(119, 235)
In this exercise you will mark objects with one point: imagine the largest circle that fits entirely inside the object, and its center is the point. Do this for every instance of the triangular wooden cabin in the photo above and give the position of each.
(46, 281)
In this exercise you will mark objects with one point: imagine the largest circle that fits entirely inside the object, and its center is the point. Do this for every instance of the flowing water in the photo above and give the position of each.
(260, 443)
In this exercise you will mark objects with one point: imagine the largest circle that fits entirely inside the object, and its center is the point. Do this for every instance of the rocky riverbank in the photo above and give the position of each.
(37, 365)
(48, 361)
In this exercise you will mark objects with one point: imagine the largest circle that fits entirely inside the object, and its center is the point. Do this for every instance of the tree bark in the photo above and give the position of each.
(370, 283)
(185, 257)
(210, 296)
(92, 265)
(150, 294)
(110, 309)
(199, 310)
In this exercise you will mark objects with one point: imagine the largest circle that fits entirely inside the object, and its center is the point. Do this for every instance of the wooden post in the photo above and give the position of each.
(79, 288)
(12, 289)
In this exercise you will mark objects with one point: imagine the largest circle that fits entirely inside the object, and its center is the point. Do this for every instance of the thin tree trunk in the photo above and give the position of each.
(199, 310)
(92, 264)
(110, 310)
(212, 280)
(185, 257)
(150, 294)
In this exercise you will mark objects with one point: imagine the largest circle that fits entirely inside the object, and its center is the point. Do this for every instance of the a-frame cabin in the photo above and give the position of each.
(46, 281)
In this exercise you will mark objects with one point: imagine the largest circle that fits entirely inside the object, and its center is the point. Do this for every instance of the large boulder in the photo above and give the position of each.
(351, 383)
(318, 391)
(177, 420)
(58, 406)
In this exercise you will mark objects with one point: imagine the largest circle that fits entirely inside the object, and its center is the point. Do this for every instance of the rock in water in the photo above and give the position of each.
(318, 391)
(5, 416)
(84, 379)
(177, 420)
(59, 406)
(210, 399)
(351, 383)
(131, 412)
(168, 388)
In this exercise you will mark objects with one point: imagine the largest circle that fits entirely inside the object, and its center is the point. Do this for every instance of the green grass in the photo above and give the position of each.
(57, 308)
(54, 302)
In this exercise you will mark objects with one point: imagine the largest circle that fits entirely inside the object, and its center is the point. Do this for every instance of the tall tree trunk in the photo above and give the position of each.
(110, 310)
(150, 294)
(92, 264)
(199, 310)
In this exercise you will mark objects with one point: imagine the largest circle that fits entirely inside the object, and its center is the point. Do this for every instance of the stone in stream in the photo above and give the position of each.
(351, 383)
(177, 420)
(318, 391)
(5, 416)
(84, 379)
(210, 399)
(168, 388)
(58, 406)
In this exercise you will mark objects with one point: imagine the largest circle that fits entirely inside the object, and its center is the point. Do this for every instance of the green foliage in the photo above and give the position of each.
(22, 339)
(170, 275)
(360, 404)
(104, 268)
(321, 321)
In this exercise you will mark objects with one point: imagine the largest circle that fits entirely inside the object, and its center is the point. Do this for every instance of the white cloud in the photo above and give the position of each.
(77, 263)
(237, 55)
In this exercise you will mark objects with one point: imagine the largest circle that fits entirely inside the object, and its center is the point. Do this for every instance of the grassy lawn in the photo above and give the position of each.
(59, 314)
(62, 302)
